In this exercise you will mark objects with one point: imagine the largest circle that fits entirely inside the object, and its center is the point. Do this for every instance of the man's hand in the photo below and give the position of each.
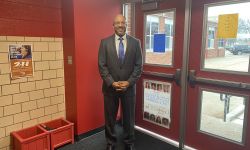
(116, 85)
(120, 85)
(123, 84)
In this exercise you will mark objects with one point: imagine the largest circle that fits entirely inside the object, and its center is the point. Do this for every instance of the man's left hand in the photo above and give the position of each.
(124, 84)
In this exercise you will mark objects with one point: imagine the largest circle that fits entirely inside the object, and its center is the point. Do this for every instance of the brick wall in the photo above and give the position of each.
(212, 53)
(129, 20)
(31, 100)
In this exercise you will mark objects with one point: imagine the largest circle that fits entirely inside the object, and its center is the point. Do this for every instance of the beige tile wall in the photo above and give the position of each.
(28, 101)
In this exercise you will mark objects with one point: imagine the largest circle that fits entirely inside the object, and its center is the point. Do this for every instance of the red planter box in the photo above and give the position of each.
(61, 132)
(33, 138)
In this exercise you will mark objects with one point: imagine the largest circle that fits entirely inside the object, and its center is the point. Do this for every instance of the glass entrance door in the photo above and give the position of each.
(216, 111)
(158, 92)
(219, 77)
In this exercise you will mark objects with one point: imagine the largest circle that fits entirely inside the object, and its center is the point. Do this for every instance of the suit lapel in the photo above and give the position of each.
(113, 50)
(127, 49)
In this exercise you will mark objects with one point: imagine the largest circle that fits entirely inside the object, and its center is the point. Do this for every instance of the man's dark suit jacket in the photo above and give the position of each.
(110, 68)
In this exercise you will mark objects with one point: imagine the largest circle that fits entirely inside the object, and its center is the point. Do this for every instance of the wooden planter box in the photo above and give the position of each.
(33, 138)
(61, 132)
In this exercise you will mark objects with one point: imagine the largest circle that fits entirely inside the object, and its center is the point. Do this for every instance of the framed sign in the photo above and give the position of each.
(20, 57)
(157, 102)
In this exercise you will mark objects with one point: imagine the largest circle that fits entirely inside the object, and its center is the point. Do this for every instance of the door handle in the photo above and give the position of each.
(174, 77)
(177, 77)
(192, 79)
(157, 74)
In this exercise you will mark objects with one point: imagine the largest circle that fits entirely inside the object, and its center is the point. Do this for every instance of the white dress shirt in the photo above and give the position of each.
(117, 41)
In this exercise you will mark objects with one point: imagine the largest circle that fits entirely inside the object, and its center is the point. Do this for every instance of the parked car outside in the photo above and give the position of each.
(239, 49)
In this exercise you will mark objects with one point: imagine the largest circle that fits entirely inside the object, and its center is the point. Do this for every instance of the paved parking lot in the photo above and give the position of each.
(230, 62)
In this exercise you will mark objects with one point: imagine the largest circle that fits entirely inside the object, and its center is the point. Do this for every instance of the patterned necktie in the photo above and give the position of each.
(121, 50)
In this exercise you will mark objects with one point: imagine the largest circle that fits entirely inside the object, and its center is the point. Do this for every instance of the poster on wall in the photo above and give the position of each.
(20, 56)
(157, 102)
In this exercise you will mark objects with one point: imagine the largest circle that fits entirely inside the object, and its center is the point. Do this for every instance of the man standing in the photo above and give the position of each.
(120, 66)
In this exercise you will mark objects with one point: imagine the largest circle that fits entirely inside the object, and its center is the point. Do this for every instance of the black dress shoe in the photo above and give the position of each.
(130, 147)
(110, 147)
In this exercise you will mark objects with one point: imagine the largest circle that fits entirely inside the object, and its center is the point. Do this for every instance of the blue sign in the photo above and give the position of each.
(159, 43)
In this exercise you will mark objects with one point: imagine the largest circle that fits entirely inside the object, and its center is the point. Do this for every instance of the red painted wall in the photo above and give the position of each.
(92, 21)
(69, 69)
(31, 18)
(82, 24)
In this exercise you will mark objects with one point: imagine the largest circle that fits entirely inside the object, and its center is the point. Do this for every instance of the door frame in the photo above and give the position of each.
(228, 80)
(184, 75)
(184, 81)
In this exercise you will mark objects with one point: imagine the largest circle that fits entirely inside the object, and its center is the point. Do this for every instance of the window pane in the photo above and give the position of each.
(154, 28)
(221, 43)
(167, 42)
(229, 54)
(127, 12)
(223, 115)
(159, 29)
(148, 28)
(147, 42)
(168, 29)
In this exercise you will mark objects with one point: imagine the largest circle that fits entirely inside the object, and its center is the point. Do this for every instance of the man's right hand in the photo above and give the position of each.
(117, 86)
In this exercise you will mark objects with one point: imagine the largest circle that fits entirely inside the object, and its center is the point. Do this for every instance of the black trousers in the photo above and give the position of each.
(111, 104)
